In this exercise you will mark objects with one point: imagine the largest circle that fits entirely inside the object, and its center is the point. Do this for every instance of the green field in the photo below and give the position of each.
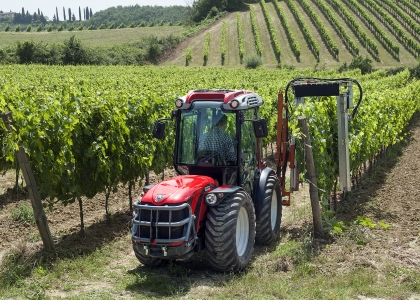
(104, 37)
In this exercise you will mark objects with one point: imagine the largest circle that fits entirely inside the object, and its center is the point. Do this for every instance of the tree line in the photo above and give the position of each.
(196, 13)
(74, 52)
(190, 15)
(87, 14)
(27, 18)
(117, 15)
(137, 14)
(38, 16)
(202, 9)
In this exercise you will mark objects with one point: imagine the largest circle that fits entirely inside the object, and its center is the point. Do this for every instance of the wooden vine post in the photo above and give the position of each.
(35, 196)
(313, 183)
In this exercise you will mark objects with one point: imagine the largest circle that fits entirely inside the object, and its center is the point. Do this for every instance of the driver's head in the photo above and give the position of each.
(222, 122)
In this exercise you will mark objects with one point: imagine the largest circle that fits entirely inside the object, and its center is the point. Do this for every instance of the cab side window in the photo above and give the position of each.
(248, 151)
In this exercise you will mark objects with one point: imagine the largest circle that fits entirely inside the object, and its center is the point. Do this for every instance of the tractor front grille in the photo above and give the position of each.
(162, 224)
(252, 101)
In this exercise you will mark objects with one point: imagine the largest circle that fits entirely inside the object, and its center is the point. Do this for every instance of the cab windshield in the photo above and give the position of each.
(207, 136)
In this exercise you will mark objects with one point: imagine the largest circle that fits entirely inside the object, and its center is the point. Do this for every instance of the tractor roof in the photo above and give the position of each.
(231, 99)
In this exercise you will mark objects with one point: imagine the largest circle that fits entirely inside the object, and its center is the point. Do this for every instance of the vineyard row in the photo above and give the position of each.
(88, 129)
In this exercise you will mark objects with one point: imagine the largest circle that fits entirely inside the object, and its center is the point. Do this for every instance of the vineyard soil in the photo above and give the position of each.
(390, 194)
(64, 221)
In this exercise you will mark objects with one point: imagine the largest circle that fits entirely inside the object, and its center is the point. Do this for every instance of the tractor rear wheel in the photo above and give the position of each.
(230, 233)
(269, 219)
(149, 261)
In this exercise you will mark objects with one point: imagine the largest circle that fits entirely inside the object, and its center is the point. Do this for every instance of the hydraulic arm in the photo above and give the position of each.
(285, 151)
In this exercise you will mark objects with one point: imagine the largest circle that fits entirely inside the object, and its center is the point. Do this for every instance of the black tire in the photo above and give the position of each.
(230, 233)
(149, 261)
(269, 219)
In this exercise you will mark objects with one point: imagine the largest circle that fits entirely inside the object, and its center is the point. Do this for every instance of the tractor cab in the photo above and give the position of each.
(217, 135)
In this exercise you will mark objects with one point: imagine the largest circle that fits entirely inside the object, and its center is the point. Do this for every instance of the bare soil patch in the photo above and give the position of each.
(64, 221)
(389, 195)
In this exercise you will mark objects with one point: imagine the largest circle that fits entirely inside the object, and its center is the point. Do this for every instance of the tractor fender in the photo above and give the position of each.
(223, 192)
(260, 189)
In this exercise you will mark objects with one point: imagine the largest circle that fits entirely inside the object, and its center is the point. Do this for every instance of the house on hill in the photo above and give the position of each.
(7, 14)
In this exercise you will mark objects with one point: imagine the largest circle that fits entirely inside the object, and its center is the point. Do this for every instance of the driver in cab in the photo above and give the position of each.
(218, 142)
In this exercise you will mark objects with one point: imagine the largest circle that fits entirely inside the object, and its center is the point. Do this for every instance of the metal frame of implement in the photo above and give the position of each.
(342, 88)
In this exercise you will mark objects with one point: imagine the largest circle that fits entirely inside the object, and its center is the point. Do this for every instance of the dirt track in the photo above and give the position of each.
(388, 196)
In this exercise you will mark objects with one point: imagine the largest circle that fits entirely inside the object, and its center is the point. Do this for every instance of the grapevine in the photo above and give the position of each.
(396, 29)
(258, 45)
(206, 48)
(240, 36)
(367, 42)
(273, 35)
(88, 129)
(351, 45)
(404, 19)
(376, 29)
(321, 27)
(292, 40)
(313, 45)
(410, 9)
(223, 43)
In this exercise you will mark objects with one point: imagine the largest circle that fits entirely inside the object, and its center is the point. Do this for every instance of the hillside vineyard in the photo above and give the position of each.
(306, 33)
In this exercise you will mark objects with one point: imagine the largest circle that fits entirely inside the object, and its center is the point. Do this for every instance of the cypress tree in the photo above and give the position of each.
(64, 14)
(56, 14)
(80, 14)
(70, 14)
(42, 18)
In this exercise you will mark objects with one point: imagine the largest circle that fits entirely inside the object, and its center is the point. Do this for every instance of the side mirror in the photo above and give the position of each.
(260, 128)
(159, 130)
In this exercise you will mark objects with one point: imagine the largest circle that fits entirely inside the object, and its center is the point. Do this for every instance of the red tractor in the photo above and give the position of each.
(225, 198)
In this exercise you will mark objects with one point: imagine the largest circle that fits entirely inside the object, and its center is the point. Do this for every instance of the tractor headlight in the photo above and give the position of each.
(179, 103)
(211, 199)
(234, 104)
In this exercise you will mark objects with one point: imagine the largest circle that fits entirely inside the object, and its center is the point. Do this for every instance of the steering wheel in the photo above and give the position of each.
(213, 155)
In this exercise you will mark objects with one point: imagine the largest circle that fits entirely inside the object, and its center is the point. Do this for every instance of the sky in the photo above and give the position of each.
(48, 6)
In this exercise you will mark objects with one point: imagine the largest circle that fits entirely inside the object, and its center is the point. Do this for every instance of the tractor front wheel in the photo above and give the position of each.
(269, 219)
(230, 233)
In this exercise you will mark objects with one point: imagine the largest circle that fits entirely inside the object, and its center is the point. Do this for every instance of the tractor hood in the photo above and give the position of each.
(178, 189)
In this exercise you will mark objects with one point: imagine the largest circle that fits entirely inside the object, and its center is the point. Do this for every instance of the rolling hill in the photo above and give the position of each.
(325, 34)
(384, 58)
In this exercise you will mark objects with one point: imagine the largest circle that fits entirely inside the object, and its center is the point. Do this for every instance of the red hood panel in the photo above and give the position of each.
(177, 189)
